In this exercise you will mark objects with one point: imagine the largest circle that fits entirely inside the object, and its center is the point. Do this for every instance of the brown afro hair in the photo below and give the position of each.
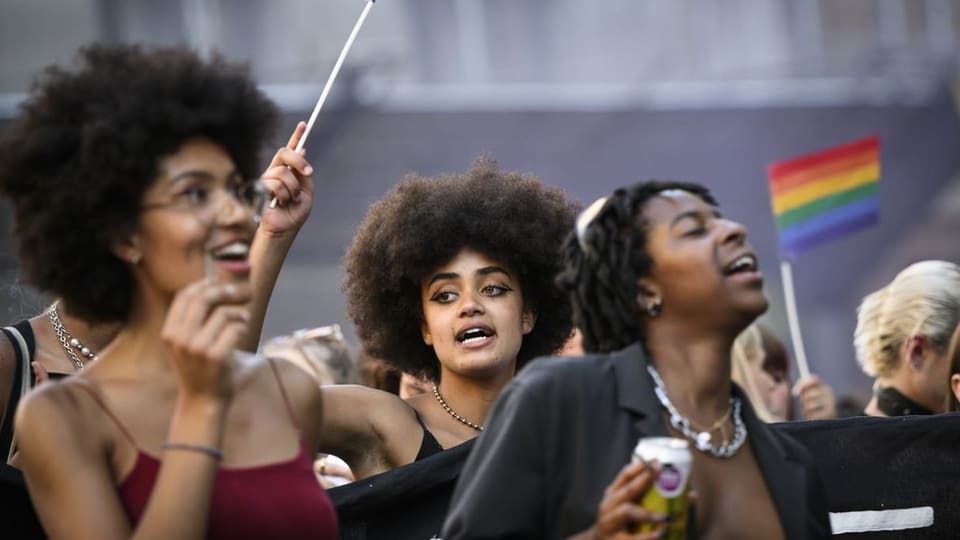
(76, 163)
(423, 223)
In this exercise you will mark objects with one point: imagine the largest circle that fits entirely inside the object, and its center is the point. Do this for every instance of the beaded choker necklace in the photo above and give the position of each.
(702, 440)
(436, 394)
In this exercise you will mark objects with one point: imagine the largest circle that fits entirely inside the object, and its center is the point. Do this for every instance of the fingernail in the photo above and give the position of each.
(229, 289)
(308, 170)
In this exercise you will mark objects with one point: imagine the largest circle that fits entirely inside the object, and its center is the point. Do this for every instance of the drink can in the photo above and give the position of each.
(670, 492)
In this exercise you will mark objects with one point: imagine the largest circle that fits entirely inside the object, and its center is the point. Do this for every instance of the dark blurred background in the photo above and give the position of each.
(589, 96)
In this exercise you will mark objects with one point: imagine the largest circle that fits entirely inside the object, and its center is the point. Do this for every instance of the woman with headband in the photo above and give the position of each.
(133, 184)
(662, 284)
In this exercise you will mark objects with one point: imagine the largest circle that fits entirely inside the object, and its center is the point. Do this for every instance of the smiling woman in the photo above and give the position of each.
(132, 182)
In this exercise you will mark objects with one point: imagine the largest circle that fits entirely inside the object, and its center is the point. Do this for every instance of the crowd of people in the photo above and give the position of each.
(514, 347)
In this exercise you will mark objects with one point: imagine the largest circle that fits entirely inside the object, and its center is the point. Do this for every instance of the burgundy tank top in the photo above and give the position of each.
(279, 500)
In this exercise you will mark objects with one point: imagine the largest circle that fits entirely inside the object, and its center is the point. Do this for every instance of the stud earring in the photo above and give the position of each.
(654, 309)
(135, 259)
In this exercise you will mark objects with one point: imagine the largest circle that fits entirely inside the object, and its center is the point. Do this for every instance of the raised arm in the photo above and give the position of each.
(372, 430)
(288, 178)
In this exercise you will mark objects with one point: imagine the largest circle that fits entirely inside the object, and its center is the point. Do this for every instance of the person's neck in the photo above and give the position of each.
(903, 383)
(138, 350)
(695, 368)
(472, 397)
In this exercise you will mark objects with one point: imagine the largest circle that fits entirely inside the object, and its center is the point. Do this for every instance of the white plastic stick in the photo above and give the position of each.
(793, 320)
(330, 79)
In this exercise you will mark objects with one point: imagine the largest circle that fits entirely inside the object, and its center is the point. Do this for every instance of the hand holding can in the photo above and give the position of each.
(670, 493)
(619, 512)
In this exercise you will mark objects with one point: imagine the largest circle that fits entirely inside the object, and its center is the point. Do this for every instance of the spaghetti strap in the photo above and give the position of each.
(283, 392)
(96, 397)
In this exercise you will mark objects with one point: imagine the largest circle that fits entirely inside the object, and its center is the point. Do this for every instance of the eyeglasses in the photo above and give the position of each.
(209, 203)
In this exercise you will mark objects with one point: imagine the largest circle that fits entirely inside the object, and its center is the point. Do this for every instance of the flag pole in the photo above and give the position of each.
(330, 79)
(786, 272)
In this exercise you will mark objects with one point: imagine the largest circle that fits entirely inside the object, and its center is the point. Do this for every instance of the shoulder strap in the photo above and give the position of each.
(88, 388)
(21, 337)
(283, 392)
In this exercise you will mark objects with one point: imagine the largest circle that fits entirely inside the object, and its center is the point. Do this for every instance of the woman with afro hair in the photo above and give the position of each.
(450, 279)
(133, 181)
(661, 285)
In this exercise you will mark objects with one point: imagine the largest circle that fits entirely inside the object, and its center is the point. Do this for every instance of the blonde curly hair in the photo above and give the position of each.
(924, 299)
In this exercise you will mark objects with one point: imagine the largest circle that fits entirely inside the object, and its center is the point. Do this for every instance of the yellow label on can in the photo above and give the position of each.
(669, 494)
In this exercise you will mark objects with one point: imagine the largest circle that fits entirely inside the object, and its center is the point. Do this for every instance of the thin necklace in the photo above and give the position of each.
(447, 408)
(702, 440)
(69, 342)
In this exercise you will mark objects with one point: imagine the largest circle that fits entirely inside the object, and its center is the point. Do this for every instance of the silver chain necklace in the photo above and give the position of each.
(447, 408)
(702, 440)
(68, 342)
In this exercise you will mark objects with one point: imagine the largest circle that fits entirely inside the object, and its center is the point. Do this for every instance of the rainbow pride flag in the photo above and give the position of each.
(823, 196)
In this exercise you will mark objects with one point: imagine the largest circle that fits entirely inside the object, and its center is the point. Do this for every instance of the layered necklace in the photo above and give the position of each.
(436, 394)
(71, 345)
(703, 440)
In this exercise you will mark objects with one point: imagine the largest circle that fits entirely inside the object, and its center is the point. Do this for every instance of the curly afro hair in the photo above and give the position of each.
(423, 223)
(78, 160)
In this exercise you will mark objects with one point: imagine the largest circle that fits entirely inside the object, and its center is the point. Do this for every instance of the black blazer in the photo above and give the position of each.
(562, 430)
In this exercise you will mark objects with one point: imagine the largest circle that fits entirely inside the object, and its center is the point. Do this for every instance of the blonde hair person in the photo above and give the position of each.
(953, 396)
(760, 368)
(747, 371)
(903, 335)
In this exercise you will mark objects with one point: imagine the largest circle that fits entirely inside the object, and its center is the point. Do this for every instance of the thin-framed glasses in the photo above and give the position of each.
(208, 202)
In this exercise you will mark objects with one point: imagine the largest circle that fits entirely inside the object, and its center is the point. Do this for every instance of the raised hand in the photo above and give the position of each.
(816, 398)
(289, 181)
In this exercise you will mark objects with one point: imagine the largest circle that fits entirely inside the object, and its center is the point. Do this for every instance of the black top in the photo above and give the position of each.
(560, 433)
(408, 502)
(428, 445)
(20, 385)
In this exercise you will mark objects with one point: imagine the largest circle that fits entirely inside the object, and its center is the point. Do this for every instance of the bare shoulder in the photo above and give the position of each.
(55, 412)
(377, 403)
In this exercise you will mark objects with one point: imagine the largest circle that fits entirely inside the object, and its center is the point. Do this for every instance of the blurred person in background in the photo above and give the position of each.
(953, 398)
(761, 368)
(322, 352)
(136, 201)
(769, 394)
(903, 335)
(662, 285)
